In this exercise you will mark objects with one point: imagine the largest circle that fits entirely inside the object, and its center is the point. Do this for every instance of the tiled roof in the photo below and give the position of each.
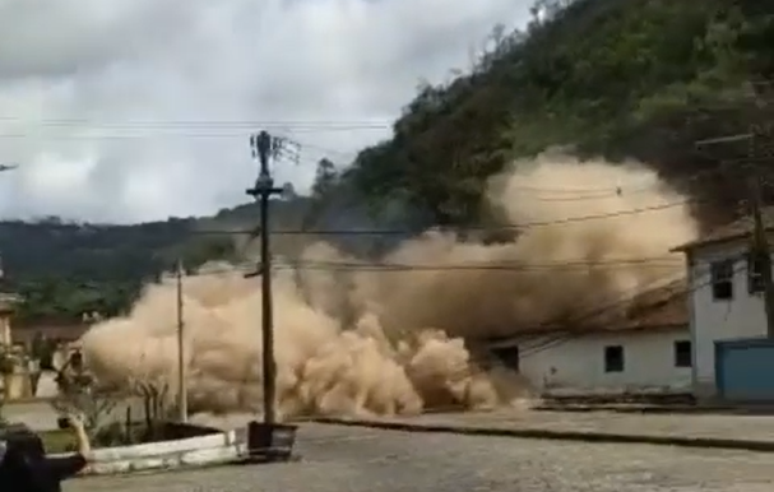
(662, 307)
(657, 308)
(738, 229)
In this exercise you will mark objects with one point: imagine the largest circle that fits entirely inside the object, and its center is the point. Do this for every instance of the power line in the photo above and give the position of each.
(483, 266)
(596, 312)
(240, 136)
(566, 336)
(192, 122)
(759, 145)
(204, 130)
(160, 129)
(625, 299)
(249, 270)
(610, 193)
(549, 340)
(388, 267)
(623, 190)
(163, 135)
(408, 232)
(573, 190)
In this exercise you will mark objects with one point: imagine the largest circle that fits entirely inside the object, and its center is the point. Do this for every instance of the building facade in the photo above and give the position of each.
(649, 351)
(625, 362)
(726, 304)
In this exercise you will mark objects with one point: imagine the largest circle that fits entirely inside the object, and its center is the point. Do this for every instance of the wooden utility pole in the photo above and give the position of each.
(264, 146)
(761, 248)
(181, 364)
(761, 251)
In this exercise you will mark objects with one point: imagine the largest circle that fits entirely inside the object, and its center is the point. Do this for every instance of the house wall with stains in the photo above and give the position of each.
(722, 307)
(615, 362)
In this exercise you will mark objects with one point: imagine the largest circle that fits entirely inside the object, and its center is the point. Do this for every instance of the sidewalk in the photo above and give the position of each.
(661, 409)
(748, 432)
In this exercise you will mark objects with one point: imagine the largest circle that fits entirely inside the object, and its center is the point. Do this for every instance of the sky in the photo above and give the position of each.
(134, 110)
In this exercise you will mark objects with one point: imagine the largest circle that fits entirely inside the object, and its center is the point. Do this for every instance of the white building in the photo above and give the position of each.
(649, 351)
(725, 300)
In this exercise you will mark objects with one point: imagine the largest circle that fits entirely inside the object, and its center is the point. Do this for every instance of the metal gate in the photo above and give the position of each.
(744, 370)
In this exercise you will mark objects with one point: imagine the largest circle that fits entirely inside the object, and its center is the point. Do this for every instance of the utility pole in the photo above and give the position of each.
(264, 147)
(182, 395)
(761, 248)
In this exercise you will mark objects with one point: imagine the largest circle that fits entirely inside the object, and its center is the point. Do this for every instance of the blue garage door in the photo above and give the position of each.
(744, 370)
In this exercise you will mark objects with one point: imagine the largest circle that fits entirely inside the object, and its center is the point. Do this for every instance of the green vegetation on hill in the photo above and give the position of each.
(640, 78)
(635, 78)
(64, 270)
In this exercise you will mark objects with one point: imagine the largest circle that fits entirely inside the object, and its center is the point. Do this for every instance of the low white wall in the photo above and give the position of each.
(576, 365)
(194, 451)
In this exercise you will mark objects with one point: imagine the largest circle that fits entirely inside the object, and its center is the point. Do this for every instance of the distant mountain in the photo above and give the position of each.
(65, 269)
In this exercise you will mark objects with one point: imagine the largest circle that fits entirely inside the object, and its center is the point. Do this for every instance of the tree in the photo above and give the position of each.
(80, 395)
(325, 179)
(156, 405)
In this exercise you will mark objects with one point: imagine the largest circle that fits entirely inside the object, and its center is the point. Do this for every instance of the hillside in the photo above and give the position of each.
(65, 269)
(641, 79)
(638, 79)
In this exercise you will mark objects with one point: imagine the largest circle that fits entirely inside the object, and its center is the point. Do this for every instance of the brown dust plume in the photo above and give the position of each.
(357, 339)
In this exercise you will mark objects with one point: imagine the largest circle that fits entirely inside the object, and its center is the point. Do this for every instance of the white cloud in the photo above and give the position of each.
(99, 99)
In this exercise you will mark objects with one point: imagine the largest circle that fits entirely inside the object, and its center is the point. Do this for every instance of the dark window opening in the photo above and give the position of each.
(754, 274)
(722, 274)
(683, 356)
(509, 356)
(614, 358)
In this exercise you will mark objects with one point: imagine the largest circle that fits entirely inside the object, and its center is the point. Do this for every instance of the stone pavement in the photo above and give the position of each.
(755, 432)
(344, 459)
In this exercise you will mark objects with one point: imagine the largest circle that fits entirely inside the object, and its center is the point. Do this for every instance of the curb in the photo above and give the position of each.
(194, 452)
(561, 435)
(686, 410)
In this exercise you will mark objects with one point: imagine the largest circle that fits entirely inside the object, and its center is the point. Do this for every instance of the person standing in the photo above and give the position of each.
(26, 468)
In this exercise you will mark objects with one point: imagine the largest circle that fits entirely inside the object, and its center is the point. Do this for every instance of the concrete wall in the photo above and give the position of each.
(713, 320)
(576, 364)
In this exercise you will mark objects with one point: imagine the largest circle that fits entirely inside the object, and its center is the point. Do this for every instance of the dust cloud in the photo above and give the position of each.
(355, 338)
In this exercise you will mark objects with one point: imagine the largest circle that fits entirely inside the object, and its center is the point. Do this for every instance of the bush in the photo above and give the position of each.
(113, 434)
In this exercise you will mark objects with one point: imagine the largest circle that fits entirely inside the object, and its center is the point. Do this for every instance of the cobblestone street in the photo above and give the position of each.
(736, 427)
(341, 459)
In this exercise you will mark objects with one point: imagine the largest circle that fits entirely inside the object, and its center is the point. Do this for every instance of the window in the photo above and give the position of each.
(614, 358)
(722, 273)
(754, 274)
(509, 356)
(683, 357)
